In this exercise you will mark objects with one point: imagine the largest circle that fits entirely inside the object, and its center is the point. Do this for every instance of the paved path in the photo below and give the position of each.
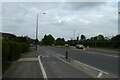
(26, 67)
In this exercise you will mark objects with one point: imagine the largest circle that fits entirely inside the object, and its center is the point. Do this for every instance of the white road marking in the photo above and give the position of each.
(93, 68)
(63, 60)
(59, 57)
(100, 74)
(42, 68)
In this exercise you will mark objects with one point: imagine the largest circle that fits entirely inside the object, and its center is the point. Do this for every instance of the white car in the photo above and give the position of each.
(79, 46)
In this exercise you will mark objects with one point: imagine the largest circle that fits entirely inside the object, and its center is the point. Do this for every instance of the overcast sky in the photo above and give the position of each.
(61, 19)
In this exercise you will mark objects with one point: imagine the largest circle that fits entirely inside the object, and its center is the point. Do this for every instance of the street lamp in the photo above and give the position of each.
(37, 30)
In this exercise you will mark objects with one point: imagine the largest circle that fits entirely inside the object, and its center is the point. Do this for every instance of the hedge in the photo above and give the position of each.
(12, 50)
(5, 50)
(103, 44)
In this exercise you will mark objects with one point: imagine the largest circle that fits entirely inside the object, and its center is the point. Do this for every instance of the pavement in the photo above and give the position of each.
(25, 67)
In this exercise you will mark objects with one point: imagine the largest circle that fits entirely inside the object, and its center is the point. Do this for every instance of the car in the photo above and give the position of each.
(66, 45)
(79, 46)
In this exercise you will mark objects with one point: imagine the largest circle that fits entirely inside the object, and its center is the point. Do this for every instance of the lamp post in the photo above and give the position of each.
(36, 41)
(36, 32)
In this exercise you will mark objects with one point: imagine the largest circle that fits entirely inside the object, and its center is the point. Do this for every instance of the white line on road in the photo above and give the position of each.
(80, 63)
(63, 60)
(42, 68)
(93, 68)
(100, 71)
(100, 74)
(59, 57)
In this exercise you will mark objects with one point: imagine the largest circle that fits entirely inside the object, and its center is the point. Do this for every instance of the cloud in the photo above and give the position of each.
(81, 5)
(61, 19)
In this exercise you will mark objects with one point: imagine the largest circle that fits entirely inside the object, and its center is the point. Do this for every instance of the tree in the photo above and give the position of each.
(95, 38)
(100, 37)
(116, 38)
(83, 37)
(60, 41)
(48, 40)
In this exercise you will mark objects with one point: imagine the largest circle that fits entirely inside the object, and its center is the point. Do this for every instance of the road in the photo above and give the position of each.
(29, 66)
(55, 68)
(106, 61)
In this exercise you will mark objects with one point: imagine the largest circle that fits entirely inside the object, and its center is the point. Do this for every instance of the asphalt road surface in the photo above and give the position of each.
(29, 67)
(55, 68)
(106, 61)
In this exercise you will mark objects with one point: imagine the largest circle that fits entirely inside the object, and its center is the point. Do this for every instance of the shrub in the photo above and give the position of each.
(5, 50)
(25, 47)
(15, 50)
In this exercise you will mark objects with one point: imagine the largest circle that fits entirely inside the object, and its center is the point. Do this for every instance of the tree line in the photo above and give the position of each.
(50, 40)
(96, 41)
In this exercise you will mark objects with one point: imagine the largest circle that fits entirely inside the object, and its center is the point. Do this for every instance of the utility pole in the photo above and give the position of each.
(36, 32)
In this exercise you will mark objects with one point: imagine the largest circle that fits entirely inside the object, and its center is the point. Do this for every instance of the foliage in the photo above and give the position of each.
(48, 40)
(60, 41)
(100, 37)
(83, 37)
(5, 50)
(11, 51)
(116, 38)
(98, 41)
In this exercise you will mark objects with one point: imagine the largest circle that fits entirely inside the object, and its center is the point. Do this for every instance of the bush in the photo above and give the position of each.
(15, 50)
(103, 44)
(11, 51)
(5, 53)
(25, 47)
(5, 50)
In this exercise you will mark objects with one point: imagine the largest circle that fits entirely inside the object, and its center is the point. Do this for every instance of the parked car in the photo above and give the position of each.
(79, 46)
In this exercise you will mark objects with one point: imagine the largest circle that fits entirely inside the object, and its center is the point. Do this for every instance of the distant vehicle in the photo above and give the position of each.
(79, 46)
(66, 45)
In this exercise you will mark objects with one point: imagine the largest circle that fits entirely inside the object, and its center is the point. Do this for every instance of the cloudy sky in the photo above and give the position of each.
(62, 19)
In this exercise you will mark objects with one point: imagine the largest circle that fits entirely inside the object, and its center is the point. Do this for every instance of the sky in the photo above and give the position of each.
(62, 19)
